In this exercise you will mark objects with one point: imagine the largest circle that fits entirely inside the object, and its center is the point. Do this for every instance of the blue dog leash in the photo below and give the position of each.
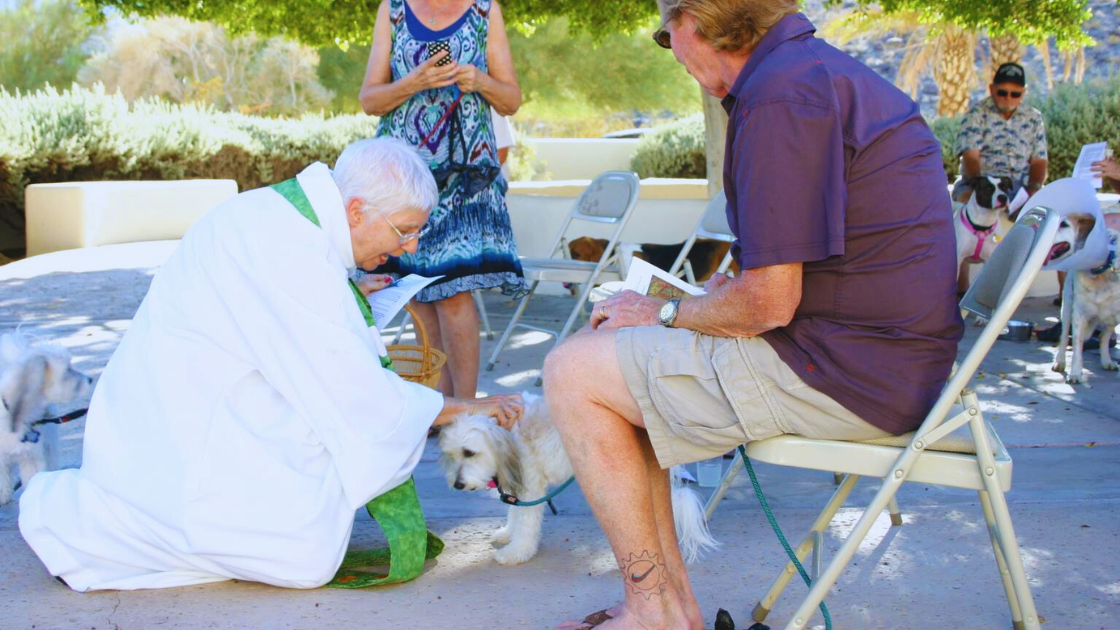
(509, 499)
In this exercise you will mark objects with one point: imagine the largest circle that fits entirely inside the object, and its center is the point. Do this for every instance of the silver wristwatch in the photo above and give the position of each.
(668, 313)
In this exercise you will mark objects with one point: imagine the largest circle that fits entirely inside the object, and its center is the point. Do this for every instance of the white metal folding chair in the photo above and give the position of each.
(940, 452)
(713, 225)
(609, 199)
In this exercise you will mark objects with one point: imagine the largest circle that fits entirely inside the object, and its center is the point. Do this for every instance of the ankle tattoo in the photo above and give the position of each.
(644, 574)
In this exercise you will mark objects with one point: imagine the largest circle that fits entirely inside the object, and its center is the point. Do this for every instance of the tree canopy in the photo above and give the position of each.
(324, 22)
(1032, 21)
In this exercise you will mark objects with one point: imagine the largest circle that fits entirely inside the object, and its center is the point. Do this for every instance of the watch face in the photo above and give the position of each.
(668, 311)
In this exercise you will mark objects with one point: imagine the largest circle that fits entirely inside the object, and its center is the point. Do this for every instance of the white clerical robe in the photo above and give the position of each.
(243, 419)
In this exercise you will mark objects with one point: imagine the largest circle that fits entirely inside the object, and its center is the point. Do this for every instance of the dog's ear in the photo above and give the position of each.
(23, 394)
(1005, 184)
(509, 464)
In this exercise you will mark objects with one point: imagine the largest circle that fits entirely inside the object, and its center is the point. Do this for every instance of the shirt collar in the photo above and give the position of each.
(325, 198)
(787, 28)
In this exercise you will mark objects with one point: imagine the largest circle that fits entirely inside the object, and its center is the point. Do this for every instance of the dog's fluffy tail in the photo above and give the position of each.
(692, 528)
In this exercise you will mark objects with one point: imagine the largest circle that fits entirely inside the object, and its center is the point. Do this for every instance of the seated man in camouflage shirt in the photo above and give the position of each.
(1001, 137)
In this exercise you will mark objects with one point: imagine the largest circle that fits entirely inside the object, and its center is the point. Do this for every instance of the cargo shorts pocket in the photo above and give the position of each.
(749, 390)
(685, 390)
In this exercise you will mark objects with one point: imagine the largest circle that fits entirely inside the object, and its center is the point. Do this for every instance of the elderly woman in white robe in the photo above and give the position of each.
(246, 414)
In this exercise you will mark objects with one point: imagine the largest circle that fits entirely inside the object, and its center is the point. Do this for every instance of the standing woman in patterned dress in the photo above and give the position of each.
(440, 103)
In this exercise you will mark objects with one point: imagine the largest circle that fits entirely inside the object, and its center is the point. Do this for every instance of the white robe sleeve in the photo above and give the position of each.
(301, 325)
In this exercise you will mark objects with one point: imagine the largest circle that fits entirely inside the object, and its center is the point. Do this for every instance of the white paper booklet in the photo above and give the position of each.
(389, 301)
(647, 280)
(1090, 153)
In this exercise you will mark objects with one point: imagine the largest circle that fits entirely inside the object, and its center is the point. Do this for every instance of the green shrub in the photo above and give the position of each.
(1075, 115)
(946, 131)
(674, 150)
(85, 134)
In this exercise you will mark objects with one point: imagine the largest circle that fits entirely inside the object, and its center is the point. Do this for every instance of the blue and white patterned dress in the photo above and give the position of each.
(470, 241)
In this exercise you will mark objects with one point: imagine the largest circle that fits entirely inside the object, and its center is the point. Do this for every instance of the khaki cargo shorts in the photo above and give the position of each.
(702, 396)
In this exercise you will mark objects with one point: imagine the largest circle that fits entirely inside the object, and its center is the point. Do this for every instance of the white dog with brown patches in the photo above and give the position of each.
(33, 376)
(1091, 298)
(476, 454)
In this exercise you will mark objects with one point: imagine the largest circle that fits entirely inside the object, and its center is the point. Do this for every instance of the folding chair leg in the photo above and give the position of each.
(405, 321)
(1004, 574)
(1005, 533)
(896, 515)
(721, 489)
(844, 555)
(576, 312)
(766, 604)
(482, 314)
(512, 324)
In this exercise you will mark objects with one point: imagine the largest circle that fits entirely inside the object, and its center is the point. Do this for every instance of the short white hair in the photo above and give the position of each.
(387, 175)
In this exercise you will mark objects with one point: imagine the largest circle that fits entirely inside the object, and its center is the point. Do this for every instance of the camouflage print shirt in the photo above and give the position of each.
(1006, 146)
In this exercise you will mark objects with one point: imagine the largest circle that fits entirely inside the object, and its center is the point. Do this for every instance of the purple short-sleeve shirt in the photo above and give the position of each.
(831, 166)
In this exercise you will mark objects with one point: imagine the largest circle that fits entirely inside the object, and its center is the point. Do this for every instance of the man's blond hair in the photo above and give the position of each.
(730, 25)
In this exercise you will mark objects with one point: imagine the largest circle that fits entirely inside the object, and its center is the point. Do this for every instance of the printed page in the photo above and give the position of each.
(654, 282)
(1090, 153)
(389, 301)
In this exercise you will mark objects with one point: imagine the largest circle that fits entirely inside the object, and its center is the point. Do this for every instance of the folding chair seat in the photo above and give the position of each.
(960, 450)
(609, 200)
(713, 225)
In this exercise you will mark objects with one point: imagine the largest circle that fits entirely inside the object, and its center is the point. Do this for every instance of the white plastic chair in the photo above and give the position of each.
(609, 199)
(941, 452)
(713, 225)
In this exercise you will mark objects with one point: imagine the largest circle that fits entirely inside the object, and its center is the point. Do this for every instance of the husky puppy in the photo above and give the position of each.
(33, 376)
(476, 453)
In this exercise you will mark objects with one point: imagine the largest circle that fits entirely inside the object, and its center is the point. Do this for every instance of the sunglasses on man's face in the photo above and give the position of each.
(1005, 94)
(661, 37)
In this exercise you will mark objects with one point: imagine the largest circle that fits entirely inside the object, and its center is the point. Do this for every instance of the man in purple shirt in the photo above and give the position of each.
(842, 325)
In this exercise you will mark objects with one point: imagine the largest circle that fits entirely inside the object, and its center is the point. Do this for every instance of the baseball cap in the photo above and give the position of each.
(1010, 73)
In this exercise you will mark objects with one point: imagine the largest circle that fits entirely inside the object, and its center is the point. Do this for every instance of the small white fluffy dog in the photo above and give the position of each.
(476, 453)
(1089, 299)
(33, 376)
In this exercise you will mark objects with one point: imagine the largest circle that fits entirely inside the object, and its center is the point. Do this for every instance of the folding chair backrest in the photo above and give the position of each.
(997, 292)
(610, 198)
(713, 224)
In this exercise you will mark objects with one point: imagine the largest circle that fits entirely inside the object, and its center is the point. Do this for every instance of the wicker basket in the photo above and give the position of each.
(418, 363)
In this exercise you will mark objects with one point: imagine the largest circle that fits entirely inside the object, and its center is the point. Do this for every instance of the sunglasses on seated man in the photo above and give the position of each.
(661, 37)
(1005, 94)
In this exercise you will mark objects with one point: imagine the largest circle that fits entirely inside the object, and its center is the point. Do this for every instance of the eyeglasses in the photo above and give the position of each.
(411, 236)
(661, 38)
(1005, 94)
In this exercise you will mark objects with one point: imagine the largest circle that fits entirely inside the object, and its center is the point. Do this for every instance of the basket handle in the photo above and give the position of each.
(421, 331)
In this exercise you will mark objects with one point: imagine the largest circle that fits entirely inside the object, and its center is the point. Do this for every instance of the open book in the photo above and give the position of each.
(389, 301)
(646, 279)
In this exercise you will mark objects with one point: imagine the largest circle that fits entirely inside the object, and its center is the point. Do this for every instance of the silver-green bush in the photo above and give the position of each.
(674, 150)
(86, 134)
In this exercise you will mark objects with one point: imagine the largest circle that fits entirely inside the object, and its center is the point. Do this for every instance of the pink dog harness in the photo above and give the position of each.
(981, 235)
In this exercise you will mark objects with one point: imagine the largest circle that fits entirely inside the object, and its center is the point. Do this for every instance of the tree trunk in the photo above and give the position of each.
(715, 126)
(954, 70)
(1005, 49)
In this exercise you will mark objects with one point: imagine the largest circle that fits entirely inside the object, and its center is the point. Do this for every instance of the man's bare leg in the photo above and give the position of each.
(603, 432)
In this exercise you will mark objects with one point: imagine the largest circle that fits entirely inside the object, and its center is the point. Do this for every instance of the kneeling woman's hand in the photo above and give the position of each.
(506, 409)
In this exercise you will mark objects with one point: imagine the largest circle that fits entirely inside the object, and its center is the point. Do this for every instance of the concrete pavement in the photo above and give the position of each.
(935, 572)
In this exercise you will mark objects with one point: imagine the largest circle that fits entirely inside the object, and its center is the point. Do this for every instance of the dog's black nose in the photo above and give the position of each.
(459, 485)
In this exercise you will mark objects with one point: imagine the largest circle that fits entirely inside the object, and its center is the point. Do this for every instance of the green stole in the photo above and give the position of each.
(398, 510)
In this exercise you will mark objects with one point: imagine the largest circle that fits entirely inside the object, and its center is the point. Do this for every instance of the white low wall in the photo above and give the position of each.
(71, 215)
(582, 158)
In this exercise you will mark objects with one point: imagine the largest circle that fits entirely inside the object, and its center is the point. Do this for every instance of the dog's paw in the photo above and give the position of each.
(1058, 367)
(511, 555)
(502, 536)
(1111, 367)
(1073, 379)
